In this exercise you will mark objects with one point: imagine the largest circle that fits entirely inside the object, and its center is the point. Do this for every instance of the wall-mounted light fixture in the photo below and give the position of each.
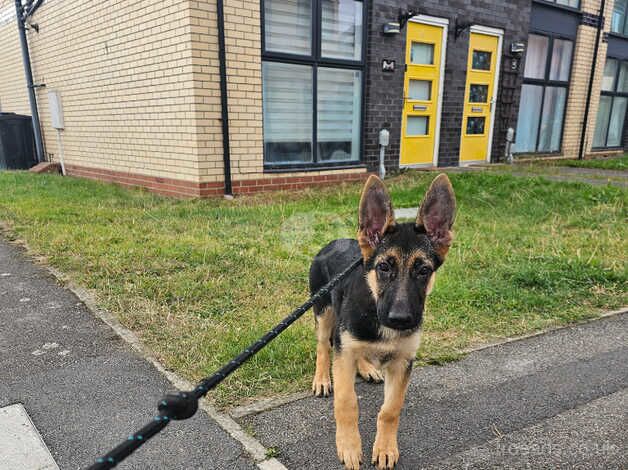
(460, 27)
(395, 27)
(392, 27)
(517, 48)
(516, 51)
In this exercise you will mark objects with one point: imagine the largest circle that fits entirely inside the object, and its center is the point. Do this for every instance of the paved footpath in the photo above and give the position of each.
(593, 176)
(83, 387)
(558, 400)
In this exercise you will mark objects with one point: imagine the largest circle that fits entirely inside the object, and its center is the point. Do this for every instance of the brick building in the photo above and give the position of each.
(310, 83)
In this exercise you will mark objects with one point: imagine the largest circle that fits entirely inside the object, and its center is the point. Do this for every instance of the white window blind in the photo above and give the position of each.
(341, 29)
(338, 121)
(288, 109)
(288, 26)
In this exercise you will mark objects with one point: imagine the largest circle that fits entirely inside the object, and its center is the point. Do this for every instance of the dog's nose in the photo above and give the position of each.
(399, 317)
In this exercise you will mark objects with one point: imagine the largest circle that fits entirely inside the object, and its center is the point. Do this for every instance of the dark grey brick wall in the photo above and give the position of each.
(384, 90)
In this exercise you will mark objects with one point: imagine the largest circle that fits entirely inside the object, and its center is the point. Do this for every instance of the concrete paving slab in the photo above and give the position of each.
(583, 438)
(464, 405)
(406, 213)
(21, 446)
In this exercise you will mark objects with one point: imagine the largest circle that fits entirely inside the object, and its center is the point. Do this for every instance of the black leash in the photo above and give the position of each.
(183, 405)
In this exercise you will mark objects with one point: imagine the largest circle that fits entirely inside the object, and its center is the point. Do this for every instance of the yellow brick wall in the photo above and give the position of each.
(13, 91)
(244, 69)
(580, 73)
(125, 75)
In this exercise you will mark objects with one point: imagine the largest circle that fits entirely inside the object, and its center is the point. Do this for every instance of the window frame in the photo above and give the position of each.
(613, 94)
(546, 82)
(316, 60)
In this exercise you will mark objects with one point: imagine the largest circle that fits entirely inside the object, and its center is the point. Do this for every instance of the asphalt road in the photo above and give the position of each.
(83, 387)
(558, 400)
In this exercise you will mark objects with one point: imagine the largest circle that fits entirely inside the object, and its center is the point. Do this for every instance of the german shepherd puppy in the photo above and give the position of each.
(373, 318)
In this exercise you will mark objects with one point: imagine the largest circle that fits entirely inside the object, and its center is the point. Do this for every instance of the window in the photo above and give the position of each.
(418, 125)
(481, 60)
(544, 94)
(420, 90)
(619, 24)
(609, 126)
(475, 125)
(478, 94)
(422, 53)
(566, 3)
(312, 74)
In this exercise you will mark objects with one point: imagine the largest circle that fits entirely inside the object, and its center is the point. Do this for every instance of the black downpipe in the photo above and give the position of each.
(224, 112)
(28, 72)
(587, 108)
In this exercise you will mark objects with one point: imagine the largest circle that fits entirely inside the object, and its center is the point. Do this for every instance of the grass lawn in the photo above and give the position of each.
(200, 280)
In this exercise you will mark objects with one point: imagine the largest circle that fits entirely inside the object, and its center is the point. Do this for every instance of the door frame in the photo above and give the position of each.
(499, 33)
(442, 23)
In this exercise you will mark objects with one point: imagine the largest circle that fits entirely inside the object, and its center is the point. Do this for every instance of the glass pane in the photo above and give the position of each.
(481, 60)
(339, 113)
(420, 90)
(610, 72)
(561, 60)
(422, 53)
(536, 57)
(569, 3)
(475, 125)
(552, 119)
(619, 16)
(288, 108)
(528, 121)
(478, 94)
(288, 26)
(418, 125)
(622, 83)
(616, 125)
(341, 29)
(601, 124)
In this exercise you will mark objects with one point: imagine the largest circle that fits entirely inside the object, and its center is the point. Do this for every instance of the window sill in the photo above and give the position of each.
(310, 168)
(601, 150)
(538, 154)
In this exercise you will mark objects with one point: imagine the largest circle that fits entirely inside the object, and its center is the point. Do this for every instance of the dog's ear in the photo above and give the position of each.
(376, 215)
(437, 213)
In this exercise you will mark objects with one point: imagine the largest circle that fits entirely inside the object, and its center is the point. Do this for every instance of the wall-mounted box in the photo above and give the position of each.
(56, 109)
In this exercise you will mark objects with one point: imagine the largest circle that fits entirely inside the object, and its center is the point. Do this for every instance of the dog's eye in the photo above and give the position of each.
(424, 271)
(383, 267)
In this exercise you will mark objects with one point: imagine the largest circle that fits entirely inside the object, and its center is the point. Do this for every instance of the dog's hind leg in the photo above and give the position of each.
(325, 323)
(385, 450)
(368, 371)
(348, 441)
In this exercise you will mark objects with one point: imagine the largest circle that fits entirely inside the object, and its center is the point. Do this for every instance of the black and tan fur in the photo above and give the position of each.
(372, 319)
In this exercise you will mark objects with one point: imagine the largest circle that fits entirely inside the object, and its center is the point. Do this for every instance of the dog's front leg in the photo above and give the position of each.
(385, 450)
(348, 442)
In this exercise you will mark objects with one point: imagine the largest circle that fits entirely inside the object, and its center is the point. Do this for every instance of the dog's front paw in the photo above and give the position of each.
(385, 454)
(349, 447)
(369, 372)
(321, 385)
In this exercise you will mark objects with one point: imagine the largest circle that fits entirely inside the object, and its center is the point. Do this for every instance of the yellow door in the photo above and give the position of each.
(421, 91)
(478, 97)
